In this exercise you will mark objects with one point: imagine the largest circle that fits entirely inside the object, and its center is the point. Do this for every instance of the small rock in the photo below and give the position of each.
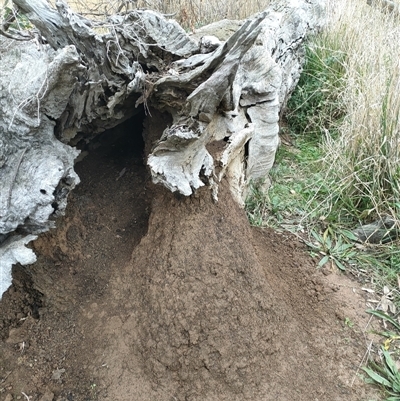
(9, 397)
(47, 396)
(57, 374)
(380, 231)
(16, 335)
(326, 271)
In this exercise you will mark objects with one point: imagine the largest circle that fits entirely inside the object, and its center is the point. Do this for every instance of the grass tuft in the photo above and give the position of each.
(315, 105)
(362, 161)
(385, 375)
(340, 167)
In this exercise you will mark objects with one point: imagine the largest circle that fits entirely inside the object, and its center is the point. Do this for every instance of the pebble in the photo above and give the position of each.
(9, 397)
(326, 272)
(47, 396)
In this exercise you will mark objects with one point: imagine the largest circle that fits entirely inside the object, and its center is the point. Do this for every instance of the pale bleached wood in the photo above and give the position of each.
(87, 76)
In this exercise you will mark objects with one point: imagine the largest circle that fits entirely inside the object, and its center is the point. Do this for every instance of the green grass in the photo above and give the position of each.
(342, 168)
(386, 375)
(292, 177)
(314, 106)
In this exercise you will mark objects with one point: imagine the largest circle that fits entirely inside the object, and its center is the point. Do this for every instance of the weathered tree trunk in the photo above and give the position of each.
(223, 97)
(380, 231)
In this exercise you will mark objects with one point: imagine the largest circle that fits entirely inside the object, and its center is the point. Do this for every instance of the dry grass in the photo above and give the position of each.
(190, 14)
(364, 159)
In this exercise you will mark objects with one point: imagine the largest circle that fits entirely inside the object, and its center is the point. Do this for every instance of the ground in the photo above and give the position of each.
(139, 294)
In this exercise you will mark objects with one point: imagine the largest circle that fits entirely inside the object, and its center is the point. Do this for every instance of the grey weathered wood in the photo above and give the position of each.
(34, 165)
(92, 75)
(381, 231)
(256, 76)
(13, 251)
(36, 170)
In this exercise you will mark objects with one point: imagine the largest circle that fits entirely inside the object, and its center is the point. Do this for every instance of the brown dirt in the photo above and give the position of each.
(187, 304)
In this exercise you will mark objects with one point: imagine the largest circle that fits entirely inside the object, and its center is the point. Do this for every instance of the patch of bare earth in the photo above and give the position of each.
(142, 295)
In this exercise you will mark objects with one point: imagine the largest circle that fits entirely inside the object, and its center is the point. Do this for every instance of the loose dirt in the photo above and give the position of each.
(143, 295)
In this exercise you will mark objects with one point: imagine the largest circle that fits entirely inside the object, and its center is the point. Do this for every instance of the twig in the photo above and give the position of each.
(368, 351)
(5, 378)
(365, 357)
(38, 96)
(20, 38)
(28, 398)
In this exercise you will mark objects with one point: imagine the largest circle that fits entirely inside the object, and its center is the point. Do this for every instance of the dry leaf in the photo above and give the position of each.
(386, 301)
(385, 304)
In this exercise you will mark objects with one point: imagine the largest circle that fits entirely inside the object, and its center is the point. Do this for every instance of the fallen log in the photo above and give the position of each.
(381, 231)
(83, 77)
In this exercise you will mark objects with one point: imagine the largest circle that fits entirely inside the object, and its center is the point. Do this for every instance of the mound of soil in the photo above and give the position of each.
(143, 295)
